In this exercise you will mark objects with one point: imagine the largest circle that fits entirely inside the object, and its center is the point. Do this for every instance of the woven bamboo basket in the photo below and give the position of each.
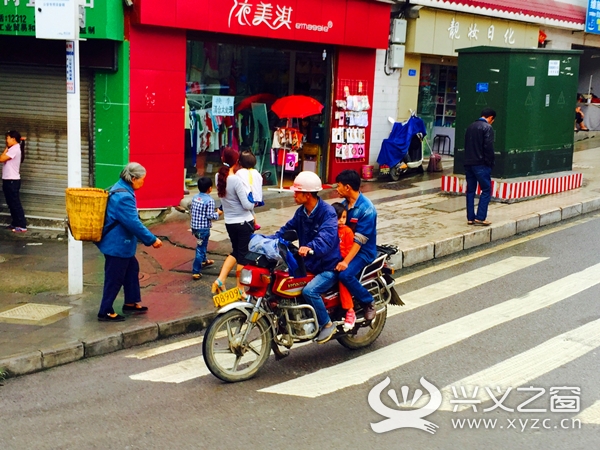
(86, 208)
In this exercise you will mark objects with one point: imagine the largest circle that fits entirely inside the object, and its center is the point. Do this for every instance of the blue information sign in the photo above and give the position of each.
(412, 72)
(592, 17)
(482, 87)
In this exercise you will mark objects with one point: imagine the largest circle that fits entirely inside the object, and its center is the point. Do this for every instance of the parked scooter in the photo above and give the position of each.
(274, 317)
(403, 149)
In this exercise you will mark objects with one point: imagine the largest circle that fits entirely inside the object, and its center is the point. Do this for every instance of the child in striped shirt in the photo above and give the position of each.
(203, 212)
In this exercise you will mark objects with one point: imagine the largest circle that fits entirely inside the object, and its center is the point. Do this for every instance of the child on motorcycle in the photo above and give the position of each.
(346, 236)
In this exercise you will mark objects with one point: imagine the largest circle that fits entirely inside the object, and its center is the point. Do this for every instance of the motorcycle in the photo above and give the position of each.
(403, 149)
(239, 340)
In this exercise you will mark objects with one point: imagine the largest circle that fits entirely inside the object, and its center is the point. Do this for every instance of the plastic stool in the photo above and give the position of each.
(441, 140)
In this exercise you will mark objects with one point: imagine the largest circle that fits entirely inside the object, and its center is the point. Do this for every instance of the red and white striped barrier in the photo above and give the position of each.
(513, 190)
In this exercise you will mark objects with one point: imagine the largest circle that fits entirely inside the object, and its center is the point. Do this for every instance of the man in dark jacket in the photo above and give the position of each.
(479, 161)
(317, 226)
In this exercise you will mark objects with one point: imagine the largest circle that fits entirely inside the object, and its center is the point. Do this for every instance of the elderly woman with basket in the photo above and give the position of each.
(239, 220)
(122, 229)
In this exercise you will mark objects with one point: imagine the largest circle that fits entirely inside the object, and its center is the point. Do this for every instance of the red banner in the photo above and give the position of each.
(358, 23)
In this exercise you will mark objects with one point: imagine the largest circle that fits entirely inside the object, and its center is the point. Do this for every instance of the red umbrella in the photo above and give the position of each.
(296, 107)
(258, 98)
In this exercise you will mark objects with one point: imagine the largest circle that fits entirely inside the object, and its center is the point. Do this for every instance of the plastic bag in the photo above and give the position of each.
(265, 246)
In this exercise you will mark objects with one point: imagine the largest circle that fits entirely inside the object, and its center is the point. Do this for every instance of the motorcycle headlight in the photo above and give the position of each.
(246, 277)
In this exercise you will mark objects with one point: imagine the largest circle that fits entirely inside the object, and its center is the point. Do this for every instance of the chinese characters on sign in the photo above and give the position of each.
(270, 15)
(222, 105)
(473, 33)
(592, 17)
(25, 23)
(70, 68)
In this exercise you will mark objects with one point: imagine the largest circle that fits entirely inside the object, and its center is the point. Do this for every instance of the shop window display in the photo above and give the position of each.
(249, 75)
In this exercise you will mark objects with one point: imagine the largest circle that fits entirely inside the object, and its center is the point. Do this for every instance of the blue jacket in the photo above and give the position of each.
(121, 240)
(362, 219)
(318, 231)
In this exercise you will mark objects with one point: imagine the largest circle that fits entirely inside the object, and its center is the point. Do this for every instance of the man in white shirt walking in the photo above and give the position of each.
(11, 180)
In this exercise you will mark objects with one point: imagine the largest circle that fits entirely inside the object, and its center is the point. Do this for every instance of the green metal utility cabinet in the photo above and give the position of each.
(534, 92)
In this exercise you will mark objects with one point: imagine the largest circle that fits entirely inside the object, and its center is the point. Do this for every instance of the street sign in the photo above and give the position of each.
(71, 89)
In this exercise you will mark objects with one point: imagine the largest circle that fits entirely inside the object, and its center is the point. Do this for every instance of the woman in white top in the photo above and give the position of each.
(237, 212)
(11, 180)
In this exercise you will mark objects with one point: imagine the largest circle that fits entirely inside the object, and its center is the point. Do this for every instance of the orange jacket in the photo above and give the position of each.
(346, 239)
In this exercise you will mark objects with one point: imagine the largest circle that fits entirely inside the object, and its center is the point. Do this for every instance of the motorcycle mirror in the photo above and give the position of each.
(290, 235)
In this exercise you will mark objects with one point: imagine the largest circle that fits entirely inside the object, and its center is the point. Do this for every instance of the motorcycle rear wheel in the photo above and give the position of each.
(365, 336)
(226, 356)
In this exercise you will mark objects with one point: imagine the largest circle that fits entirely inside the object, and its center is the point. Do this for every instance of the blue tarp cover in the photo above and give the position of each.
(394, 148)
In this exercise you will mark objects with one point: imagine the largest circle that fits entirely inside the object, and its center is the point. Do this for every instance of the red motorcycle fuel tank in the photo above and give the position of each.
(287, 286)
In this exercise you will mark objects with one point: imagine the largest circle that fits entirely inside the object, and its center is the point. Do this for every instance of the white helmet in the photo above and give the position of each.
(307, 182)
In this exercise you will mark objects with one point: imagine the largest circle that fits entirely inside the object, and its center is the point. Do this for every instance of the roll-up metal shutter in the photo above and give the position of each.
(33, 101)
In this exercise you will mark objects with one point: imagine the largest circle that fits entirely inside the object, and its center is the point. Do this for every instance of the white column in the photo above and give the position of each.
(75, 259)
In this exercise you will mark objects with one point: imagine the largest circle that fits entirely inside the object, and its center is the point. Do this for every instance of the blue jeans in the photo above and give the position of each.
(202, 235)
(348, 278)
(120, 272)
(312, 294)
(483, 176)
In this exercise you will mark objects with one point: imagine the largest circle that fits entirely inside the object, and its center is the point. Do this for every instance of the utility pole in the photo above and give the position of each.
(61, 20)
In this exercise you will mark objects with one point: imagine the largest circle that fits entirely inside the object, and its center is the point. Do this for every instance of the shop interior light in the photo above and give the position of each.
(128, 2)
(324, 54)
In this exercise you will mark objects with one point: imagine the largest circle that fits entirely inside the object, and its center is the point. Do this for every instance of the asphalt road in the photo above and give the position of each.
(517, 314)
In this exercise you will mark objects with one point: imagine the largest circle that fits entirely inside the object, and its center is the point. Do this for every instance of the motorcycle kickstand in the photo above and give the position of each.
(279, 354)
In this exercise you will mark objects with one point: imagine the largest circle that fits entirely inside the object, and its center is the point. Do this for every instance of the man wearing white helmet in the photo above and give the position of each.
(317, 226)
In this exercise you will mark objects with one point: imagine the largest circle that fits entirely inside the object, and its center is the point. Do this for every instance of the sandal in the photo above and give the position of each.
(208, 262)
(482, 223)
(470, 222)
(217, 287)
(196, 276)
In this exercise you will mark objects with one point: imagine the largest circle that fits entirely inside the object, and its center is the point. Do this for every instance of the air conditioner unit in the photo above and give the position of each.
(398, 32)
(396, 56)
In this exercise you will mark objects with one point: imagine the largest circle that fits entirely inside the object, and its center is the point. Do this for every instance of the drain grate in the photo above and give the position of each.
(34, 313)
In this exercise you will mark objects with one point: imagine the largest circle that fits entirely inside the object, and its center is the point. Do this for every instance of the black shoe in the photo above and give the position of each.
(369, 312)
(109, 318)
(136, 308)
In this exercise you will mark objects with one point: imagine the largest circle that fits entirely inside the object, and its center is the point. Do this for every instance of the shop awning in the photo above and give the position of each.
(556, 13)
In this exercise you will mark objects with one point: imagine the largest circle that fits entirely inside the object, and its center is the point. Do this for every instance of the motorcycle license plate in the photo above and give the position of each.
(227, 297)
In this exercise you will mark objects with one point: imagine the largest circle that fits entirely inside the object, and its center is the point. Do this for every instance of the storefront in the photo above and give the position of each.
(235, 60)
(33, 100)
(436, 29)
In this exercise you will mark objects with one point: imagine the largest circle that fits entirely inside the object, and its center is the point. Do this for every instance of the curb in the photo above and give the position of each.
(496, 231)
(46, 358)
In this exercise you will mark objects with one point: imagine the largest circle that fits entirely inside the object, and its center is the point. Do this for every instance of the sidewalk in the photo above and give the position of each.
(52, 328)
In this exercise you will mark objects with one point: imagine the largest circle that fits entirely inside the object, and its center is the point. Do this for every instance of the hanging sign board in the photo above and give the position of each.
(70, 67)
(222, 105)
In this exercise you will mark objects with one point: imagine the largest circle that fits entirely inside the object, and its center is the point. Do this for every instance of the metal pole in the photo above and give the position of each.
(75, 258)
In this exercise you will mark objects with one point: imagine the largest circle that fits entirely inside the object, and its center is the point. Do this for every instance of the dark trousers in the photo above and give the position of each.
(481, 175)
(120, 272)
(11, 194)
(239, 235)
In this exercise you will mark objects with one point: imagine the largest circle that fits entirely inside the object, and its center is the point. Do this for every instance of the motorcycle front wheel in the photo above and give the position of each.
(365, 336)
(235, 349)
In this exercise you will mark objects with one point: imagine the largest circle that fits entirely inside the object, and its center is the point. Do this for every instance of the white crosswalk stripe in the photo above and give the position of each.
(529, 365)
(590, 415)
(462, 283)
(363, 368)
(194, 367)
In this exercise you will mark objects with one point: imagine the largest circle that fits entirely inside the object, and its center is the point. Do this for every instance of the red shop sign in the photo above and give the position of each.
(359, 23)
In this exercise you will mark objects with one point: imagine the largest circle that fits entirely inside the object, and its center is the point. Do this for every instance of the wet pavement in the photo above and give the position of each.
(52, 328)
